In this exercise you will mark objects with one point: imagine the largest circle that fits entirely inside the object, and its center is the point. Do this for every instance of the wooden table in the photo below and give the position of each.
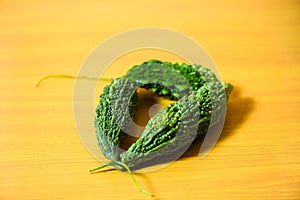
(255, 45)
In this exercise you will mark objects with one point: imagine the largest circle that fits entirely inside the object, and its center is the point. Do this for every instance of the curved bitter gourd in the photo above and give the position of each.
(201, 102)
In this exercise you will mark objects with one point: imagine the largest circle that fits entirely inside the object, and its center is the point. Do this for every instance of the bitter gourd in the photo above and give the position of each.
(201, 102)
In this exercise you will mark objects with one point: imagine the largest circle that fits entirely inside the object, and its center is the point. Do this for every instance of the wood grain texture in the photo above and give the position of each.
(255, 45)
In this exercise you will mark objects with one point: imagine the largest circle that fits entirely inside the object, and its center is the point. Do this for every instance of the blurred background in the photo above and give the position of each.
(255, 45)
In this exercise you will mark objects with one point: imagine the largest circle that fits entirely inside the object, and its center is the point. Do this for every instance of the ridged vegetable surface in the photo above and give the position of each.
(201, 102)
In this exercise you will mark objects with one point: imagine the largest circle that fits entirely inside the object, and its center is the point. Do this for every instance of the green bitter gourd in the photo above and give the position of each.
(197, 91)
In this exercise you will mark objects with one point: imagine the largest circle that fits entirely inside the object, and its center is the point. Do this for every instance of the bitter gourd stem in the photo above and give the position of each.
(71, 77)
(133, 179)
(100, 167)
(123, 165)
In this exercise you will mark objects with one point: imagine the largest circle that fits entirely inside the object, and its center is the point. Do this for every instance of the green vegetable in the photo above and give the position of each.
(163, 136)
(201, 102)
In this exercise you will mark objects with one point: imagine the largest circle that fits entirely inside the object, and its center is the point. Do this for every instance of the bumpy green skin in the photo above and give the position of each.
(184, 80)
(112, 106)
(201, 102)
(166, 133)
(193, 114)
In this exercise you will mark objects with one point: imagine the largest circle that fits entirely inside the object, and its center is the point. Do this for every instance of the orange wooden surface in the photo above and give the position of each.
(255, 45)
